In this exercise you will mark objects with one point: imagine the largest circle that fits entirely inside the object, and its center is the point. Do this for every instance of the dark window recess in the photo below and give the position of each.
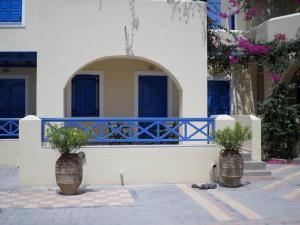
(231, 22)
(218, 98)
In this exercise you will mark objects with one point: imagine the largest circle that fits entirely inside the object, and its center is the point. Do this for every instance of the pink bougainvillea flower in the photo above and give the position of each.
(233, 59)
(223, 15)
(250, 13)
(275, 77)
(255, 49)
(280, 36)
(237, 11)
(233, 3)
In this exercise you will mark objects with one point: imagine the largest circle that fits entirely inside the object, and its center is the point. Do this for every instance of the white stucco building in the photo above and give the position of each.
(110, 65)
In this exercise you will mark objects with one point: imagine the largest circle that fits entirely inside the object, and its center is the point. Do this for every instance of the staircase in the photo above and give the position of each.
(254, 168)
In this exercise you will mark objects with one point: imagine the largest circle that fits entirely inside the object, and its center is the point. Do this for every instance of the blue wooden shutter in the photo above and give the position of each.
(17, 98)
(218, 101)
(153, 96)
(4, 98)
(10, 10)
(213, 11)
(85, 96)
(210, 98)
(12, 98)
(222, 97)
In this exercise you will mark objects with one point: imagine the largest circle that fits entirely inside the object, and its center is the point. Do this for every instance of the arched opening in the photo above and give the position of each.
(122, 87)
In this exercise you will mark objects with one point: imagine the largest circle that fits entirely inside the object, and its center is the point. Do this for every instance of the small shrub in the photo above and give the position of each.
(67, 140)
(232, 139)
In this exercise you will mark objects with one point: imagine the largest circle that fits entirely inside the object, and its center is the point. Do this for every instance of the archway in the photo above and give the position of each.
(118, 79)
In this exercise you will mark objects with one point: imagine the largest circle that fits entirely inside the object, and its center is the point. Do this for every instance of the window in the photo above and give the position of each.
(85, 96)
(11, 12)
(213, 12)
(231, 22)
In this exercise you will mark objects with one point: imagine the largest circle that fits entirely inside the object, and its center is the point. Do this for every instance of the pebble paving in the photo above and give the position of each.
(252, 203)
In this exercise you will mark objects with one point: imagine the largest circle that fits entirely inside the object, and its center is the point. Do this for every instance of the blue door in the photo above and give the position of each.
(12, 98)
(85, 96)
(153, 96)
(153, 100)
(218, 97)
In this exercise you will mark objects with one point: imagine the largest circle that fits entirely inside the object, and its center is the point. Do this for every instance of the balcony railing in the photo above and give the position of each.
(138, 130)
(9, 128)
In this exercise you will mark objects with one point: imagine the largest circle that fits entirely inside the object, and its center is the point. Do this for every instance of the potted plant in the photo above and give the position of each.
(68, 168)
(231, 162)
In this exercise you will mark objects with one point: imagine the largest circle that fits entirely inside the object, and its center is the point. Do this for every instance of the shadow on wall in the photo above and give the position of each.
(129, 37)
(243, 99)
(268, 9)
(100, 5)
(184, 11)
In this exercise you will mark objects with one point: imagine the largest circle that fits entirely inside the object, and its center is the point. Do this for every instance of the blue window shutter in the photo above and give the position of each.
(218, 101)
(16, 10)
(85, 96)
(12, 98)
(213, 11)
(153, 96)
(10, 10)
(210, 98)
(4, 10)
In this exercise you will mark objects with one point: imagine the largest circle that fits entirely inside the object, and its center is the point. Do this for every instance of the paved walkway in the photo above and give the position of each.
(260, 201)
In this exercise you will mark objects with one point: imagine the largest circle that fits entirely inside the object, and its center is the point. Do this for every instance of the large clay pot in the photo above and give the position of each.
(68, 171)
(231, 165)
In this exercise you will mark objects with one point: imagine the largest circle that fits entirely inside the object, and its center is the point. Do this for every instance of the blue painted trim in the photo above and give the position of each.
(9, 128)
(140, 130)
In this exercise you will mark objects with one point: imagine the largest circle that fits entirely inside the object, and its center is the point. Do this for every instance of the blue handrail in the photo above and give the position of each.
(139, 130)
(9, 128)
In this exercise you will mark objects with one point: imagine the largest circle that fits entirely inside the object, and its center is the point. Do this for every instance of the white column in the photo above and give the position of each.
(35, 162)
(256, 137)
(223, 121)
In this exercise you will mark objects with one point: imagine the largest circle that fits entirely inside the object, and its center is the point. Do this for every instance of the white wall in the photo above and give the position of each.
(141, 164)
(22, 38)
(9, 152)
(284, 24)
(68, 35)
(253, 145)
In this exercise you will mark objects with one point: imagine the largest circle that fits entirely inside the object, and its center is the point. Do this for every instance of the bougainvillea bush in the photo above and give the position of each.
(280, 117)
(224, 54)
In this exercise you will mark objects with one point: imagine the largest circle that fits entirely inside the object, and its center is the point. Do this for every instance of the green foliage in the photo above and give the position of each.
(280, 122)
(66, 140)
(233, 139)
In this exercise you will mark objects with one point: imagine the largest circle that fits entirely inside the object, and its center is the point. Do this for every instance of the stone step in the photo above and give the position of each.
(254, 165)
(247, 156)
(257, 173)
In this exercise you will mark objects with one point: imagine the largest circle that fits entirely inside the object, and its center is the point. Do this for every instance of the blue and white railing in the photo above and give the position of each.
(9, 128)
(139, 130)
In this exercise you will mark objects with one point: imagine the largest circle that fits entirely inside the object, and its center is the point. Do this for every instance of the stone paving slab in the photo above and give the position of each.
(250, 204)
(52, 199)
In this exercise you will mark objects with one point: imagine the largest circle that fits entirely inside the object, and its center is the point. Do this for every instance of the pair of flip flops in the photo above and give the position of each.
(205, 186)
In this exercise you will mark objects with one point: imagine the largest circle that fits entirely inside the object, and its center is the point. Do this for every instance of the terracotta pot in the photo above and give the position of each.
(231, 165)
(68, 171)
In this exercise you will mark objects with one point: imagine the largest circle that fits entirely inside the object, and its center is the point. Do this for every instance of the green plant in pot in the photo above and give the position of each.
(68, 167)
(231, 162)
